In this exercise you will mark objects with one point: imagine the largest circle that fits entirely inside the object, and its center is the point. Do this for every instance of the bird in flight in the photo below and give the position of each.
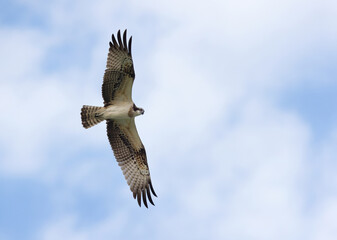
(119, 111)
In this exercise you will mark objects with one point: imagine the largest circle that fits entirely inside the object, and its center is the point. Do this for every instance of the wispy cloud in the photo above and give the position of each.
(227, 160)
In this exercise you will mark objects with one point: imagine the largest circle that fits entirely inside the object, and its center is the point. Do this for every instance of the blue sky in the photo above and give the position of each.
(239, 125)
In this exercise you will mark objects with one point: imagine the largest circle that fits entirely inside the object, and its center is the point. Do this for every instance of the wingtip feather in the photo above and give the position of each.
(130, 43)
(119, 39)
(152, 190)
(144, 198)
(125, 45)
(139, 198)
(149, 195)
(115, 44)
(121, 43)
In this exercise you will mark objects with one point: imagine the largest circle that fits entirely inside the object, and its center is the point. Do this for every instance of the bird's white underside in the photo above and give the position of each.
(118, 110)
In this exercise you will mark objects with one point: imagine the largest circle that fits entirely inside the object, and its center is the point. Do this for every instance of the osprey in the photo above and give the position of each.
(119, 111)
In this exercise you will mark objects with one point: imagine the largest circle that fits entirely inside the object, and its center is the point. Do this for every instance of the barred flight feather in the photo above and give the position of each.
(131, 157)
(119, 111)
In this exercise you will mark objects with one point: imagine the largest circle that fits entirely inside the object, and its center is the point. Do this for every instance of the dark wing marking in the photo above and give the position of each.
(131, 157)
(119, 74)
(118, 52)
(116, 85)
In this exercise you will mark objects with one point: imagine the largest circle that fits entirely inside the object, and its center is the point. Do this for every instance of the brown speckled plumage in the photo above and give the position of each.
(119, 74)
(120, 112)
(131, 157)
(89, 116)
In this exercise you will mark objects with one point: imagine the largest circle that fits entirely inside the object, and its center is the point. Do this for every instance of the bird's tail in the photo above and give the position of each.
(91, 115)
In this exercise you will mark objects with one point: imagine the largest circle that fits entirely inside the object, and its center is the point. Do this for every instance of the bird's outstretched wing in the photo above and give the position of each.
(131, 157)
(119, 74)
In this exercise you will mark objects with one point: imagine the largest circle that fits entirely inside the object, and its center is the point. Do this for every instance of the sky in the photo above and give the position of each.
(240, 123)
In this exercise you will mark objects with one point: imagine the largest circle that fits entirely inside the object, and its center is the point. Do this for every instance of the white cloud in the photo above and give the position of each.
(68, 228)
(225, 159)
(248, 182)
(22, 51)
(324, 225)
(39, 108)
(322, 187)
(22, 55)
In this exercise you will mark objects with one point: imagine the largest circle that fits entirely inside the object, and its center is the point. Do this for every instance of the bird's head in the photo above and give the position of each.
(140, 111)
(137, 111)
